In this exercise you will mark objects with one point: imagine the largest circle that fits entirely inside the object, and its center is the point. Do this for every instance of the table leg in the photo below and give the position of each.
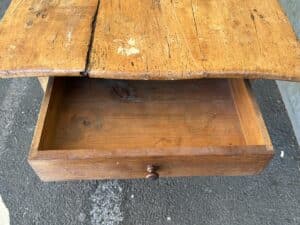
(43, 81)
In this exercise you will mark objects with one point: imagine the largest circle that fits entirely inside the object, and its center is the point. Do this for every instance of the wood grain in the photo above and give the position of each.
(93, 129)
(142, 115)
(148, 39)
(84, 165)
(249, 114)
(152, 39)
(45, 38)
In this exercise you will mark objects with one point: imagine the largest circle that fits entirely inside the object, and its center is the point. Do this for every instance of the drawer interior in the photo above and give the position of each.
(109, 114)
(118, 117)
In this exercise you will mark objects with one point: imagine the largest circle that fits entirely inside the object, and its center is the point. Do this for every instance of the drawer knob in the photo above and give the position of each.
(152, 174)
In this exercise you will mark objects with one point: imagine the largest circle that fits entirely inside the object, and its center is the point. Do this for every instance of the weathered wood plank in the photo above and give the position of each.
(152, 39)
(45, 38)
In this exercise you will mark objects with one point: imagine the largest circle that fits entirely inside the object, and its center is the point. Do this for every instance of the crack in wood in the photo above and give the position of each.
(85, 73)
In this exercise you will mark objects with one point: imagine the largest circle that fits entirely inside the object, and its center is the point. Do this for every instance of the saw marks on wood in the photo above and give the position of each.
(39, 37)
(182, 39)
(148, 39)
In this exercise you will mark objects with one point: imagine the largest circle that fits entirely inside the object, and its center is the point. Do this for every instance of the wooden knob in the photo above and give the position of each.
(151, 173)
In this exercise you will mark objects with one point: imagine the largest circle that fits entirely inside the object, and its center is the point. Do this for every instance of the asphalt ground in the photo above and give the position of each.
(272, 198)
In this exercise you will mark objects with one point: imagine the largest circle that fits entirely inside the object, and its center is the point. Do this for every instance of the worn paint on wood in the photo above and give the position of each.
(42, 38)
(149, 39)
(193, 39)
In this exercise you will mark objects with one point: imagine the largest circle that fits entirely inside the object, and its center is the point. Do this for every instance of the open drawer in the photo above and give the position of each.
(98, 129)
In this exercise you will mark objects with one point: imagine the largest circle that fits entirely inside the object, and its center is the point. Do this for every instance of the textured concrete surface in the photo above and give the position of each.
(272, 198)
(290, 91)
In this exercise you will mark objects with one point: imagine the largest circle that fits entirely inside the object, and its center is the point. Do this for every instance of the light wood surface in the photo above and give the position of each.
(42, 38)
(93, 129)
(149, 39)
(183, 39)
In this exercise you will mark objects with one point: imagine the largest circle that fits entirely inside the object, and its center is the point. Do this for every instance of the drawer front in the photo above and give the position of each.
(239, 162)
(95, 129)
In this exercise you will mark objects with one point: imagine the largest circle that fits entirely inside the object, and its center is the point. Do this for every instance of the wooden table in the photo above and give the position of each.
(151, 115)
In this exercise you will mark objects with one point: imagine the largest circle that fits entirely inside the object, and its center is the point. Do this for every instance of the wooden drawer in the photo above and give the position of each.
(98, 129)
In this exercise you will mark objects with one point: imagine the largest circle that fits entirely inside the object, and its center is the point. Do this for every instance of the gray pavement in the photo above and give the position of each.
(290, 91)
(272, 198)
